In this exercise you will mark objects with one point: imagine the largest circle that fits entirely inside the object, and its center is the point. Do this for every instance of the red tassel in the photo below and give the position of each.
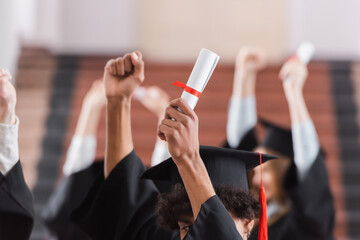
(263, 231)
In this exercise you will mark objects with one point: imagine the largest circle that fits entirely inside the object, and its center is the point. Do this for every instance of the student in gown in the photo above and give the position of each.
(300, 204)
(79, 169)
(16, 201)
(120, 205)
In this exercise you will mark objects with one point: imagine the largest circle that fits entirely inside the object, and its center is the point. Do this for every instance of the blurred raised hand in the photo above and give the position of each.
(249, 61)
(7, 98)
(154, 99)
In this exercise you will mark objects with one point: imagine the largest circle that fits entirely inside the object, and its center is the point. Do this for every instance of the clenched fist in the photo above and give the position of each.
(123, 75)
(250, 59)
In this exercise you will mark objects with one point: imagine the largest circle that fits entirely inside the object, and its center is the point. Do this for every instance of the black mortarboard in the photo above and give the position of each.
(278, 139)
(226, 167)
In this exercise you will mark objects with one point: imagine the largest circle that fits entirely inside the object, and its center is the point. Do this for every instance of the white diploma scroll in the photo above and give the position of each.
(305, 52)
(200, 75)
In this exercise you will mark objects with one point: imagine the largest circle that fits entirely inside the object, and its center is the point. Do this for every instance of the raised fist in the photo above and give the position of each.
(7, 98)
(250, 59)
(123, 75)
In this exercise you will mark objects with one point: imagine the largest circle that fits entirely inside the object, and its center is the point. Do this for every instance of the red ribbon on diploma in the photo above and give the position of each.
(187, 89)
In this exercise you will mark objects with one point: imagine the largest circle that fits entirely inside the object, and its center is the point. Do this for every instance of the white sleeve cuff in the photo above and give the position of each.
(81, 154)
(241, 118)
(9, 148)
(160, 153)
(306, 146)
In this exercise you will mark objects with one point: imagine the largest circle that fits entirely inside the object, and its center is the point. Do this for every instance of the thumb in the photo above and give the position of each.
(136, 58)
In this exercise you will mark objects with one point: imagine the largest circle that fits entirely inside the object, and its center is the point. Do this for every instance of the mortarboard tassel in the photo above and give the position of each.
(263, 233)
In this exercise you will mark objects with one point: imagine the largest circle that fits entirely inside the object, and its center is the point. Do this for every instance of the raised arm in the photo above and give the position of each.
(306, 145)
(82, 150)
(9, 153)
(121, 77)
(180, 130)
(16, 204)
(242, 110)
(312, 213)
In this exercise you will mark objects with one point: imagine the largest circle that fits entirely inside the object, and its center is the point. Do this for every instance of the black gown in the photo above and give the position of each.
(67, 196)
(312, 213)
(122, 207)
(16, 206)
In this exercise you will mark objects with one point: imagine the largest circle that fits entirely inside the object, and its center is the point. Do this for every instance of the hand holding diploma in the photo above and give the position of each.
(200, 75)
(295, 67)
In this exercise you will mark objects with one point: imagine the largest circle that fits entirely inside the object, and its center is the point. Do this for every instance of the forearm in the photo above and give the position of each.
(118, 132)
(9, 149)
(305, 140)
(197, 183)
(241, 118)
(297, 106)
(88, 120)
(244, 83)
(306, 147)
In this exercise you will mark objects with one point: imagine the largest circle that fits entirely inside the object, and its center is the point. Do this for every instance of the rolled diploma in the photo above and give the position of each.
(305, 52)
(200, 75)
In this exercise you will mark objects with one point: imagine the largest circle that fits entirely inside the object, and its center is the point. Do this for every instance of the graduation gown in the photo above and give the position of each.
(16, 206)
(312, 213)
(122, 207)
(67, 196)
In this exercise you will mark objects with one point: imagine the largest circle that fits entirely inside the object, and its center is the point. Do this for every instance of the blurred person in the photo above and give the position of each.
(300, 204)
(121, 205)
(79, 169)
(16, 201)
(155, 100)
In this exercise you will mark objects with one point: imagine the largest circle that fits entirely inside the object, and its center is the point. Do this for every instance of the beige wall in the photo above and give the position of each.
(177, 30)
(9, 41)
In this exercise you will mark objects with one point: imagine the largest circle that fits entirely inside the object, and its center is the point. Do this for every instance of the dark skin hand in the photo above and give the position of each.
(121, 77)
(180, 130)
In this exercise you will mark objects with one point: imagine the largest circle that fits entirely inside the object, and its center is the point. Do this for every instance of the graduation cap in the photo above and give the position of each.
(225, 167)
(278, 139)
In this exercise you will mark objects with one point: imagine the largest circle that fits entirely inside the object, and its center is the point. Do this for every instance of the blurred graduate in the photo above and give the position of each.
(300, 204)
(16, 201)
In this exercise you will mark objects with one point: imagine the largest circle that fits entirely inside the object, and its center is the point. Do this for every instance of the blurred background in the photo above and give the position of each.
(56, 48)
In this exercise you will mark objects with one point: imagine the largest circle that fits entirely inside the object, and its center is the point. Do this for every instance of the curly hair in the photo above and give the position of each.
(173, 206)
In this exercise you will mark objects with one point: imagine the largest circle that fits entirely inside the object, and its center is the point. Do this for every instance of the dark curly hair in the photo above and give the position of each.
(173, 206)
